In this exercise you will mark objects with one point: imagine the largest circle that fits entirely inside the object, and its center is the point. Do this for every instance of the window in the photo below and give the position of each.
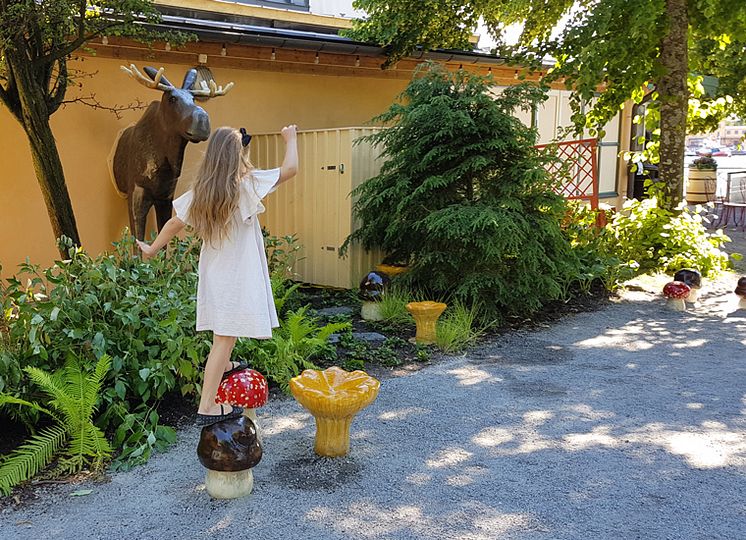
(285, 4)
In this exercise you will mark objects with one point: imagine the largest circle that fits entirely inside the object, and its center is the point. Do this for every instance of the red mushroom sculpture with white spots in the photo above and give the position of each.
(676, 292)
(248, 389)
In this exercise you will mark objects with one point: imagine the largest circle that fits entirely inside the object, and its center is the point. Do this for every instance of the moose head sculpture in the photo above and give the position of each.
(148, 155)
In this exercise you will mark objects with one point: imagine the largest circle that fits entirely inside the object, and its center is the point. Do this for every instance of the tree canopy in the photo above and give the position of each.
(605, 51)
(37, 38)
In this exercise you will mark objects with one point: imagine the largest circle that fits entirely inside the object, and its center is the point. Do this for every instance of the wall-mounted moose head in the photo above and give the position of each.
(148, 155)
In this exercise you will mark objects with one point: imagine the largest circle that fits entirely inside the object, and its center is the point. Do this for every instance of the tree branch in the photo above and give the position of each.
(117, 110)
(78, 42)
(12, 104)
(57, 94)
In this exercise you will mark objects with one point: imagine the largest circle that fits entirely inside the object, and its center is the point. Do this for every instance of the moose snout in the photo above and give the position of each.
(199, 129)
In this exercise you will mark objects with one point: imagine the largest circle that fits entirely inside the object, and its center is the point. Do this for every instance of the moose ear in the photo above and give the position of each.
(151, 71)
(189, 79)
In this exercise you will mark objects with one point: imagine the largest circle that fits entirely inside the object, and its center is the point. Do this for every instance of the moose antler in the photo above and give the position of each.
(213, 91)
(154, 83)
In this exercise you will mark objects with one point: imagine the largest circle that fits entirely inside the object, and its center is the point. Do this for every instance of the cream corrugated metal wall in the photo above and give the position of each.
(316, 205)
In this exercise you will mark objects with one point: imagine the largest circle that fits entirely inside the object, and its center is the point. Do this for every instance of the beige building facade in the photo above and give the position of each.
(284, 70)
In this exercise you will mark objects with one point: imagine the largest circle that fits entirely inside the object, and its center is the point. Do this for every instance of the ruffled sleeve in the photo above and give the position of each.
(182, 205)
(254, 187)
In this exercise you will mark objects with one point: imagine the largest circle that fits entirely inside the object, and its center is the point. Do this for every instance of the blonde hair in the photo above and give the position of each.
(216, 186)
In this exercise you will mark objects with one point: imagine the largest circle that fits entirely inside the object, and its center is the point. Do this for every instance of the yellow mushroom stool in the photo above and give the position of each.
(391, 271)
(334, 396)
(425, 315)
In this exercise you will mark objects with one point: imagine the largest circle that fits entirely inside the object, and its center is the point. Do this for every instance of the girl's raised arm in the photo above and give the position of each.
(169, 230)
(289, 166)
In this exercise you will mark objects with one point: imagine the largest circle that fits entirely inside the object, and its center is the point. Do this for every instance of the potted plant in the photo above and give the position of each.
(702, 180)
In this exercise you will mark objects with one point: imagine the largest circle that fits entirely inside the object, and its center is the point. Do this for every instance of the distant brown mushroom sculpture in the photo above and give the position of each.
(247, 389)
(692, 278)
(741, 292)
(229, 450)
(676, 292)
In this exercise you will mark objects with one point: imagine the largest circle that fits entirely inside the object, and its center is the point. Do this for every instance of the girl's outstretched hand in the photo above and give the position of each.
(289, 132)
(147, 250)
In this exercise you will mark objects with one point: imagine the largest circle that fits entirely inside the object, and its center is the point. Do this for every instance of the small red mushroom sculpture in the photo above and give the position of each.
(693, 278)
(741, 292)
(676, 293)
(247, 389)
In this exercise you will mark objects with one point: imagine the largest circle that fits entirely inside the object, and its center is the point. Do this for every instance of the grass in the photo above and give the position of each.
(459, 327)
(393, 305)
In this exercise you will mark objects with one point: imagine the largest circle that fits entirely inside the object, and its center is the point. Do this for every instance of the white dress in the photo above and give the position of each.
(234, 295)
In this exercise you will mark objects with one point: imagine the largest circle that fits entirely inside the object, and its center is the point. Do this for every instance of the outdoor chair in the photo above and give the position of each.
(733, 205)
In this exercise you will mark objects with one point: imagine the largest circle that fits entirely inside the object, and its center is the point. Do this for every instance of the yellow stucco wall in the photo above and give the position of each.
(261, 101)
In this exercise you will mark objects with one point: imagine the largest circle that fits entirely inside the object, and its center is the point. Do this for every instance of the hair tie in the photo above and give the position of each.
(245, 137)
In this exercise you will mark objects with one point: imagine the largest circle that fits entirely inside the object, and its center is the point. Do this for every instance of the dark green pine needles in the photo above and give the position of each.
(463, 196)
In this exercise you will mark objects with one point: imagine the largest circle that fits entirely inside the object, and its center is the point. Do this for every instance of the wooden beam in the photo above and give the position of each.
(285, 60)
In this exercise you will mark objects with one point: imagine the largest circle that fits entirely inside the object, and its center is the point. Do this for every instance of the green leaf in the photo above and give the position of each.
(81, 492)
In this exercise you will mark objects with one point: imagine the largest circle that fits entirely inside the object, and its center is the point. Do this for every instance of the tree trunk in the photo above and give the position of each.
(674, 99)
(44, 152)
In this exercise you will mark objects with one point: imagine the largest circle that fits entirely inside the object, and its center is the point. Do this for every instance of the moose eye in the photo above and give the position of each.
(172, 99)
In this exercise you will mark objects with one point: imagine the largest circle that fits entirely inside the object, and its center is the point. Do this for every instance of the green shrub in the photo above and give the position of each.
(291, 348)
(140, 313)
(71, 398)
(652, 238)
(464, 198)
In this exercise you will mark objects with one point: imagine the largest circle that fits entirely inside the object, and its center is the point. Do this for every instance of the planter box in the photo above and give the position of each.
(701, 185)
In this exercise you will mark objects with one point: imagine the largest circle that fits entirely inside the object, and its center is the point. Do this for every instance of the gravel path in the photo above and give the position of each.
(629, 422)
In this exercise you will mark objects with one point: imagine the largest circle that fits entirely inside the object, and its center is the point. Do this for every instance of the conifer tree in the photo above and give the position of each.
(464, 197)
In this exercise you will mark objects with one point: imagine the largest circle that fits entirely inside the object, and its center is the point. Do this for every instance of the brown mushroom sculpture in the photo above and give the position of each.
(334, 396)
(676, 292)
(693, 278)
(229, 450)
(741, 292)
(246, 388)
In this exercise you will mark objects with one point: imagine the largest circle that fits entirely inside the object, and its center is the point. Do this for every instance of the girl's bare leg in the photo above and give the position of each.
(220, 355)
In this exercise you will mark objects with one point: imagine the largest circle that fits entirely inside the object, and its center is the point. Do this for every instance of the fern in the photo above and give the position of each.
(73, 394)
(290, 349)
(30, 458)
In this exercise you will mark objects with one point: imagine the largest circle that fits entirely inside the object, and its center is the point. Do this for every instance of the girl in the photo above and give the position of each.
(234, 297)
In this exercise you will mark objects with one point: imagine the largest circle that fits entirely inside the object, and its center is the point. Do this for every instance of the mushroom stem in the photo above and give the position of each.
(332, 436)
(251, 415)
(742, 303)
(676, 304)
(229, 485)
(371, 311)
(693, 297)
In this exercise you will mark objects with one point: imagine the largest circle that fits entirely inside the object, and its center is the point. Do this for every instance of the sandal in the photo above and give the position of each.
(236, 365)
(209, 419)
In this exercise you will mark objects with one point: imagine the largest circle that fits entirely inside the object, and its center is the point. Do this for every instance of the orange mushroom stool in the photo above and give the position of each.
(426, 315)
(334, 396)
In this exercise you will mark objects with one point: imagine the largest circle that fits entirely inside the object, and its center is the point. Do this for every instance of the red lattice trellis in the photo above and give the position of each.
(578, 162)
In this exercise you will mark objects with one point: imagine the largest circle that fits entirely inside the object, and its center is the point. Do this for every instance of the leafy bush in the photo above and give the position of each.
(291, 347)
(71, 395)
(140, 313)
(464, 198)
(652, 238)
